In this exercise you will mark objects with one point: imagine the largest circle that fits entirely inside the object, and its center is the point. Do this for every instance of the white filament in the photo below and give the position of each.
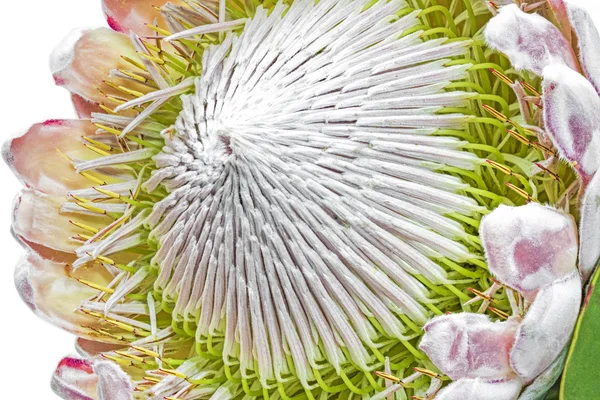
(303, 188)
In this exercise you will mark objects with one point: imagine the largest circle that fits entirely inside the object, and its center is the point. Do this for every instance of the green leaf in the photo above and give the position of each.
(580, 378)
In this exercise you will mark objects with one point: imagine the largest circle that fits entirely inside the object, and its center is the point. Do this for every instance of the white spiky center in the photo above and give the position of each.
(305, 196)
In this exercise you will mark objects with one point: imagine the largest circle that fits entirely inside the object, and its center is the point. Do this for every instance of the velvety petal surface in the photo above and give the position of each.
(84, 379)
(113, 383)
(589, 234)
(74, 379)
(84, 59)
(544, 382)
(529, 247)
(547, 327)
(589, 42)
(468, 345)
(52, 292)
(530, 41)
(571, 116)
(39, 157)
(481, 389)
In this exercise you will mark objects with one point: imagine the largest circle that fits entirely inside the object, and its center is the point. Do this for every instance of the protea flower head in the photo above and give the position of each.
(338, 199)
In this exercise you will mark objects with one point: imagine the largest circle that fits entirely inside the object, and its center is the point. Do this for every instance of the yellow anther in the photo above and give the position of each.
(481, 294)
(92, 178)
(90, 207)
(94, 285)
(133, 62)
(107, 109)
(147, 352)
(552, 174)
(127, 327)
(157, 60)
(84, 226)
(153, 47)
(544, 148)
(124, 89)
(80, 199)
(530, 89)
(501, 76)
(97, 143)
(92, 313)
(133, 76)
(152, 379)
(109, 129)
(500, 167)
(142, 387)
(497, 114)
(388, 377)
(173, 372)
(105, 260)
(118, 360)
(96, 150)
(159, 30)
(107, 192)
(519, 137)
(131, 356)
(428, 373)
(112, 321)
(520, 191)
(499, 313)
(116, 99)
(106, 333)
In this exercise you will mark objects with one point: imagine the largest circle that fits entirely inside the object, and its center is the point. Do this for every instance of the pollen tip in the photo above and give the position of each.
(428, 372)
(387, 376)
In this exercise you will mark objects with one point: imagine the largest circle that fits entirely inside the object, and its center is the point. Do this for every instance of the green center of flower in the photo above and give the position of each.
(311, 199)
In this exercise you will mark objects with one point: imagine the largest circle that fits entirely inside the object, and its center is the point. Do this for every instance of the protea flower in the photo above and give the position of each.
(283, 200)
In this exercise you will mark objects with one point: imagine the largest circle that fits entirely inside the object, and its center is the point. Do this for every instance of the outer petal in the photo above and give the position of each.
(589, 234)
(84, 108)
(84, 59)
(92, 348)
(37, 222)
(133, 15)
(39, 156)
(589, 42)
(544, 382)
(560, 17)
(113, 383)
(468, 345)
(54, 295)
(547, 327)
(78, 379)
(530, 41)
(74, 379)
(529, 247)
(481, 389)
(571, 115)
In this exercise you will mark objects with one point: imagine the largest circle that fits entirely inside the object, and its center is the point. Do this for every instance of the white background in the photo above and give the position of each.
(31, 348)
